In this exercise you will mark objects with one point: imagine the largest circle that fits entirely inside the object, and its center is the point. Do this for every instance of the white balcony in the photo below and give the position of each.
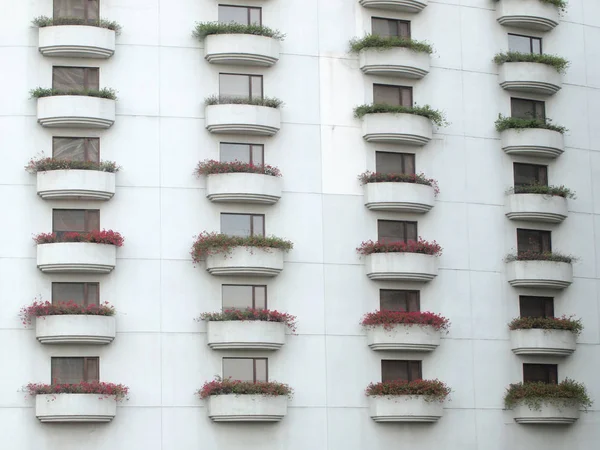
(243, 188)
(401, 267)
(528, 14)
(246, 261)
(399, 128)
(403, 337)
(532, 142)
(539, 274)
(530, 77)
(77, 41)
(536, 207)
(410, 6)
(543, 342)
(75, 408)
(247, 408)
(243, 119)
(246, 335)
(394, 62)
(401, 197)
(75, 329)
(76, 257)
(409, 408)
(75, 185)
(241, 49)
(547, 415)
(75, 111)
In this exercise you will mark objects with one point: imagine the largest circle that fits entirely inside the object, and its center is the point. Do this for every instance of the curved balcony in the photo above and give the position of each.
(530, 77)
(527, 14)
(74, 408)
(402, 337)
(75, 111)
(246, 335)
(76, 257)
(247, 408)
(547, 415)
(410, 408)
(77, 41)
(536, 207)
(246, 261)
(401, 267)
(411, 6)
(243, 119)
(394, 62)
(539, 274)
(543, 342)
(398, 128)
(75, 329)
(243, 188)
(402, 197)
(241, 49)
(532, 142)
(75, 185)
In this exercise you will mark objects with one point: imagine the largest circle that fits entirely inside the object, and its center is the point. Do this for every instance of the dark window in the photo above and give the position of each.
(237, 296)
(536, 306)
(390, 27)
(75, 78)
(243, 224)
(546, 373)
(75, 220)
(399, 300)
(524, 44)
(527, 109)
(526, 174)
(536, 241)
(387, 94)
(79, 9)
(248, 153)
(74, 370)
(396, 230)
(240, 86)
(392, 369)
(246, 369)
(76, 149)
(83, 294)
(240, 14)
(388, 162)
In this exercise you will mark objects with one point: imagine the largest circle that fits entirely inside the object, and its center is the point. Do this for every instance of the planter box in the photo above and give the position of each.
(532, 142)
(400, 128)
(247, 408)
(246, 261)
(75, 408)
(75, 111)
(395, 62)
(539, 274)
(246, 335)
(75, 329)
(243, 119)
(404, 197)
(404, 409)
(76, 257)
(243, 188)
(549, 414)
(530, 77)
(528, 14)
(543, 342)
(404, 338)
(412, 6)
(242, 49)
(401, 266)
(75, 185)
(536, 207)
(77, 41)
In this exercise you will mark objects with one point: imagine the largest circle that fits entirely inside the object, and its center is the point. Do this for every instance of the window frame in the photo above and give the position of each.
(531, 38)
(547, 305)
(248, 15)
(410, 366)
(253, 286)
(540, 238)
(535, 103)
(254, 359)
(86, 369)
(250, 150)
(264, 232)
(86, 295)
(401, 88)
(542, 173)
(86, 71)
(249, 75)
(86, 219)
(86, 12)
(405, 224)
(417, 300)
(403, 157)
(397, 21)
(86, 146)
(551, 372)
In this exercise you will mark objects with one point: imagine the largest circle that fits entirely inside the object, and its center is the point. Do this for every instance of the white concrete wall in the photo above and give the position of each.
(159, 136)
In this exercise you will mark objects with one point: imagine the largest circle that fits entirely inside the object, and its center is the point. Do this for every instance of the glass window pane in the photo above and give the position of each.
(238, 369)
(92, 293)
(68, 292)
(521, 44)
(404, 29)
(388, 162)
(536, 46)
(258, 225)
(235, 152)
(255, 16)
(67, 370)
(93, 10)
(384, 27)
(536, 306)
(257, 155)
(257, 87)
(93, 78)
(69, 8)
(71, 149)
(235, 14)
(260, 297)
(411, 231)
(234, 86)
(406, 94)
(93, 220)
(386, 95)
(237, 297)
(526, 174)
(394, 370)
(393, 300)
(65, 220)
(92, 149)
(527, 109)
(235, 224)
(93, 369)
(261, 369)
(67, 78)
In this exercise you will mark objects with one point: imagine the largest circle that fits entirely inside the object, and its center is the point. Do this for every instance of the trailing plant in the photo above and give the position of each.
(41, 309)
(109, 237)
(203, 29)
(49, 164)
(534, 394)
(107, 93)
(389, 319)
(213, 243)
(507, 123)
(385, 43)
(539, 256)
(560, 64)
(237, 387)
(379, 177)
(227, 100)
(383, 246)
(212, 167)
(547, 323)
(431, 390)
(260, 315)
(119, 391)
(557, 191)
(435, 116)
(44, 21)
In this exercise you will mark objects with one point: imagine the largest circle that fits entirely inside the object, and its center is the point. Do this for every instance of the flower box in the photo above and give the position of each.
(76, 41)
(397, 128)
(246, 335)
(75, 408)
(247, 408)
(246, 261)
(403, 337)
(75, 329)
(532, 142)
(394, 62)
(394, 196)
(76, 257)
(411, 6)
(539, 274)
(404, 408)
(243, 188)
(536, 207)
(530, 77)
(401, 266)
(527, 14)
(241, 49)
(75, 185)
(243, 119)
(548, 414)
(75, 111)
(543, 342)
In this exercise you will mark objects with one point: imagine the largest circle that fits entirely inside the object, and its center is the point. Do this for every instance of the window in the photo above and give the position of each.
(387, 94)
(399, 300)
(240, 86)
(237, 296)
(75, 78)
(527, 109)
(536, 306)
(87, 10)
(75, 220)
(524, 44)
(76, 149)
(248, 153)
(400, 370)
(536, 241)
(240, 14)
(390, 27)
(243, 224)
(245, 369)
(388, 162)
(83, 294)
(546, 373)
(396, 230)
(74, 370)
(527, 174)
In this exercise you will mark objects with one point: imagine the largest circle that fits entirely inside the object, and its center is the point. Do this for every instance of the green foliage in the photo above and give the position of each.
(49, 164)
(225, 100)
(536, 256)
(385, 43)
(204, 29)
(110, 94)
(558, 191)
(560, 4)
(507, 123)
(560, 64)
(547, 323)
(535, 394)
(435, 116)
(213, 243)
(43, 21)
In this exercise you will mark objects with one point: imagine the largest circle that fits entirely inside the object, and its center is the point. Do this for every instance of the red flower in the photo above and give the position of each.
(263, 315)
(389, 319)
(41, 309)
(384, 246)
(229, 386)
(109, 237)
(211, 167)
(119, 391)
(432, 390)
